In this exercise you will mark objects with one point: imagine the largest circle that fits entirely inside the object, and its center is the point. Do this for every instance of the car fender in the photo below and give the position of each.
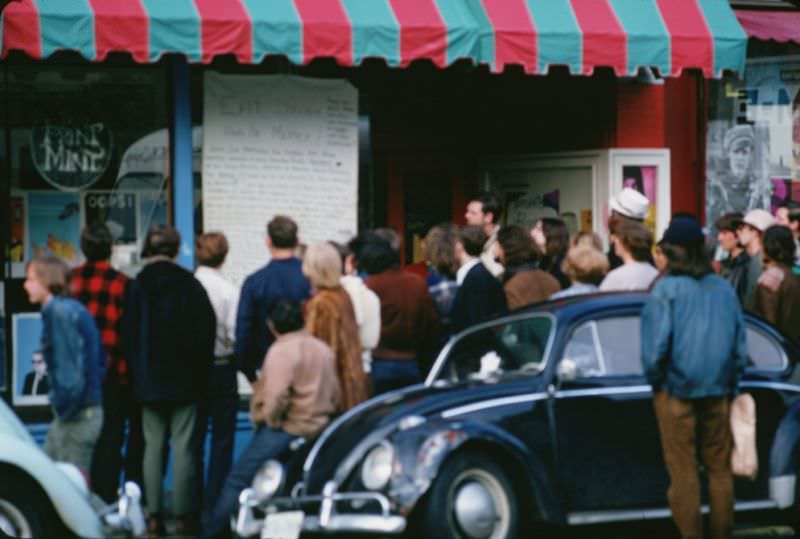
(70, 503)
(422, 455)
(784, 459)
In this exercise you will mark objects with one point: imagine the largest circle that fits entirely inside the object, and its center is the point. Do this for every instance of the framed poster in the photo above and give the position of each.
(53, 226)
(647, 171)
(29, 371)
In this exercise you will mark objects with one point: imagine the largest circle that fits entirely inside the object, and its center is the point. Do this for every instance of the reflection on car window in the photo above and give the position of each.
(606, 347)
(765, 353)
(518, 345)
(581, 349)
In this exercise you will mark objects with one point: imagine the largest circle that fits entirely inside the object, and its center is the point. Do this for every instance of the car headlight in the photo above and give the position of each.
(377, 467)
(268, 480)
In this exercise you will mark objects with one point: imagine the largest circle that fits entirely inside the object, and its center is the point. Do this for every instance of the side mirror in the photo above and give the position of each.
(567, 370)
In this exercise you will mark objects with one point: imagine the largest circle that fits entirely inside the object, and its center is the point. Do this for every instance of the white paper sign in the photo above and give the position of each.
(278, 145)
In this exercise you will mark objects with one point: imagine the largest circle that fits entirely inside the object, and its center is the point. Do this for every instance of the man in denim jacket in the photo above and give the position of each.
(75, 363)
(694, 353)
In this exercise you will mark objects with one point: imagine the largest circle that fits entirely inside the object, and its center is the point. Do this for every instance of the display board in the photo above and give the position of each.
(278, 145)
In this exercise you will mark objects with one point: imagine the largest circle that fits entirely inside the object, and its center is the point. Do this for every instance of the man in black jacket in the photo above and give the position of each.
(480, 295)
(168, 333)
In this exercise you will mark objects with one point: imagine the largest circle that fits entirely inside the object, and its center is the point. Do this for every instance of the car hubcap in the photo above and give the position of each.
(12, 522)
(480, 506)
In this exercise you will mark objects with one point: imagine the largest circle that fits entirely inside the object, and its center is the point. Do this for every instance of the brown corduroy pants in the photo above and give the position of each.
(681, 422)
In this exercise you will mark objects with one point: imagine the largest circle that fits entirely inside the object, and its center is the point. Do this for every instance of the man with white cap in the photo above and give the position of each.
(627, 205)
(750, 232)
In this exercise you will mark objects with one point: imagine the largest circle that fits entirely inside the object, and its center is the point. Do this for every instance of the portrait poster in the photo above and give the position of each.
(29, 373)
(753, 138)
(54, 226)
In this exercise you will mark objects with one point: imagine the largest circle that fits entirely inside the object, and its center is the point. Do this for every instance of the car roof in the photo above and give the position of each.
(569, 308)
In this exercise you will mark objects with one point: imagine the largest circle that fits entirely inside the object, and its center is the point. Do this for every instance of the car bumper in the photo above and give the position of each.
(326, 519)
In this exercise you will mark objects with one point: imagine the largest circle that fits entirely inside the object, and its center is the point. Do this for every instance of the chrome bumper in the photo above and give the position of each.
(328, 520)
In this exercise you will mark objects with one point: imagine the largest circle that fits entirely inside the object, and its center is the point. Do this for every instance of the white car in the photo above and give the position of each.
(43, 498)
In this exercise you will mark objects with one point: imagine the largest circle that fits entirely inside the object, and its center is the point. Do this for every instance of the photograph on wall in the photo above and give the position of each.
(117, 210)
(526, 207)
(30, 379)
(54, 226)
(753, 139)
(643, 179)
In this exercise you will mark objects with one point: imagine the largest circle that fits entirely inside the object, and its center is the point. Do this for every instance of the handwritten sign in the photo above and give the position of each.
(71, 158)
(278, 145)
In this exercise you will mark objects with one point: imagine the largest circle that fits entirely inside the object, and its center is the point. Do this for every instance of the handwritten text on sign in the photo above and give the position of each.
(278, 145)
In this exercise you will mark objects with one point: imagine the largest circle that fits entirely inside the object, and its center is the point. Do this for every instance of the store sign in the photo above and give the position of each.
(71, 157)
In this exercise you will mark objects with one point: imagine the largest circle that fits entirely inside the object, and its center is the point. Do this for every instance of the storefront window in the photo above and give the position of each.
(79, 144)
(753, 144)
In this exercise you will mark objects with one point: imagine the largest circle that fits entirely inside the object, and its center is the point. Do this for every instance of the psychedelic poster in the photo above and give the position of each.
(54, 226)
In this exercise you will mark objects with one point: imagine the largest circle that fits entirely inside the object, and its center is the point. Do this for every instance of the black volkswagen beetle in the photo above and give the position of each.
(541, 415)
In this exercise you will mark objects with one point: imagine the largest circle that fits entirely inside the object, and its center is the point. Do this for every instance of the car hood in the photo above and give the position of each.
(383, 414)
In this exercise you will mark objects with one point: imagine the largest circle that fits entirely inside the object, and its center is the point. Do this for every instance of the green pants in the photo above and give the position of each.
(174, 423)
(73, 440)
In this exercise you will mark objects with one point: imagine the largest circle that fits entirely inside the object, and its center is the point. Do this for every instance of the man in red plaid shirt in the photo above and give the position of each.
(102, 290)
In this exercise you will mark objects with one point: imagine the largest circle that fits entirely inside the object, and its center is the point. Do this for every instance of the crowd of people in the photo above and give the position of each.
(142, 369)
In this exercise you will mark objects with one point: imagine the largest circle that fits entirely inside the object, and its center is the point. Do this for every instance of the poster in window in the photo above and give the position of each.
(117, 210)
(16, 247)
(643, 179)
(30, 379)
(54, 226)
(753, 140)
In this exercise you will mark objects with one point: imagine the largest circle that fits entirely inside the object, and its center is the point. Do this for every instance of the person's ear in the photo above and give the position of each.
(271, 328)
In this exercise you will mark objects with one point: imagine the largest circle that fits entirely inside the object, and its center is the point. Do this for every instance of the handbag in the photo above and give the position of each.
(744, 457)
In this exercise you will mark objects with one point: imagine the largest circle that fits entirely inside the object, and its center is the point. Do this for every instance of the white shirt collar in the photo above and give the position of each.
(461, 274)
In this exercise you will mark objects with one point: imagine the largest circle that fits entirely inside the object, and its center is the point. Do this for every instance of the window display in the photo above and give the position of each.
(87, 144)
(753, 140)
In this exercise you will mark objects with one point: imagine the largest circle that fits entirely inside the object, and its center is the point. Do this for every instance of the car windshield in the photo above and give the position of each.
(515, 345)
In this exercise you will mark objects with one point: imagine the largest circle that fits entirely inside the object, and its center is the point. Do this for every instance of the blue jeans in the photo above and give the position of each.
(220, 405)
(267, 443)
(389, 374)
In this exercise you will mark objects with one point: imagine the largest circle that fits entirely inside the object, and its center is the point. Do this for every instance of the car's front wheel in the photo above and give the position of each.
(23, 511)
(471, 498)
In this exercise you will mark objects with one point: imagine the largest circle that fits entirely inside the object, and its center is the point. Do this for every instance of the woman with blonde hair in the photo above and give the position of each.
(330, 317)
(586, 268)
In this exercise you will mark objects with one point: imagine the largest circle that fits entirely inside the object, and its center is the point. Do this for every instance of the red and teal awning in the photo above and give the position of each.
(670, 35)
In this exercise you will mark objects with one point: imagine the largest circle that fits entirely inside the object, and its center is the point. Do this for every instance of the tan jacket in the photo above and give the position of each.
(297, 390)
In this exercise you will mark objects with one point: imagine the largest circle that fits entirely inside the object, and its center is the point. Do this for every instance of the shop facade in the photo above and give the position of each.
(107, 115)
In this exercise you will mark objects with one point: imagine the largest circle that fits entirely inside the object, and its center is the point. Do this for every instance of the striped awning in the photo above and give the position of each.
(670, 35)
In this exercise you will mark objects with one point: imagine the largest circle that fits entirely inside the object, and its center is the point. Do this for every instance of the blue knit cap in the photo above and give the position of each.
(683, 230)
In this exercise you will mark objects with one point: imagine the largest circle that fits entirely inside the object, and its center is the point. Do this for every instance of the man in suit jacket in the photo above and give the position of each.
(36, 381)
(480, 295)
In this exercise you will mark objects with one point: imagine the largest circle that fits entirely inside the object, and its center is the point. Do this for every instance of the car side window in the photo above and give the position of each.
(764, 352)
(515, 345)
(606, 347)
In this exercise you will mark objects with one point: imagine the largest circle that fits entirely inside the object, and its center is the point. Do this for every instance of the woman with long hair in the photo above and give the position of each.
(524, 283)
(552, 238)
(330, 317)
(777, 297)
